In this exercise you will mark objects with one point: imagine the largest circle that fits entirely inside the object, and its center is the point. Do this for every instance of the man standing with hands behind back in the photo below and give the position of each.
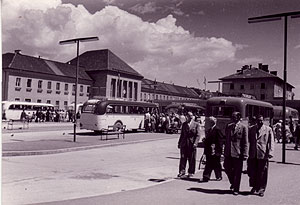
(261, 140)
(188, 141)
(236, 151)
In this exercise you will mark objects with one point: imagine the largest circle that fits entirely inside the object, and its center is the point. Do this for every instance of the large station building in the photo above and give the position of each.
(102, 74)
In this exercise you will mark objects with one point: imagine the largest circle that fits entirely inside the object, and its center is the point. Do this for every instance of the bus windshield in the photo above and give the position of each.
(222, 111)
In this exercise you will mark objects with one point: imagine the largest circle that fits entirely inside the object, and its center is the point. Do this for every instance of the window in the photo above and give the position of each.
(39, 101)
(242, 87)
(29, 81)
(252, 87)
(88, 89)
(66, 87)
(17, 99)
(49, 85)
(48, 101)
(262, 97)
(231, 86)
(65, 103)
(73, 88)
(81, 88)
(57, 86)
(263, 86)
(40, 84)
(27, 100)
(57, 103)
(18, 82)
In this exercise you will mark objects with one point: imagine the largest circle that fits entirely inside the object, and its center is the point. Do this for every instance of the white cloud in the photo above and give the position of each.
(159, 50)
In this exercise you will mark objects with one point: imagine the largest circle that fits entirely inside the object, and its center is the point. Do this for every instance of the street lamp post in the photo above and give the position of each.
(71, 41)
(276, 17)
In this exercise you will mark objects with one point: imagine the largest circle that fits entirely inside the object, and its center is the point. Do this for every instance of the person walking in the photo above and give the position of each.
(213, 143)
(297, 135)
(261, 148)
(187, 143)
(236, 151)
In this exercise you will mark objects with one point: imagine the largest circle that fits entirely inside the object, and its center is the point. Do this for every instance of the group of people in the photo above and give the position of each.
(164, 122)
(253, 143)
(49, 116)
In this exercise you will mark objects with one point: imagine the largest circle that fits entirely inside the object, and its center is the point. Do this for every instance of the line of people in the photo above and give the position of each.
(254, 144)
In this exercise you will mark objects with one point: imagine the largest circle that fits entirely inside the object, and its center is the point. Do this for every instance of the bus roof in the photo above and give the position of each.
(122, 102)
(237, 100)
(187, 105)
(26, 103)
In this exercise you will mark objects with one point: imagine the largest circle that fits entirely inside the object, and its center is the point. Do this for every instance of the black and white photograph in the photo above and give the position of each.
(150, 102)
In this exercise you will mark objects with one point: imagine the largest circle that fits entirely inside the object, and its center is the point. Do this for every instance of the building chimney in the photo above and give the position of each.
(273, 73)
(260, 65)
(265, 68)
(17, 51)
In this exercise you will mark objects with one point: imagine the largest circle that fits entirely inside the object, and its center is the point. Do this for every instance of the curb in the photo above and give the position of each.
(57, 151)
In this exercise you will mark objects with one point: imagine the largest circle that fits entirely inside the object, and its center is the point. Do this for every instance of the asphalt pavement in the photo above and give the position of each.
(283, 185)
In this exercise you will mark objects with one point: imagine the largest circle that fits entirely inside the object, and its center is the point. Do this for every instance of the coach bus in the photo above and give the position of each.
(11, 110)
(182, 108)
(289, 112)
(223, 107)
(99, 114)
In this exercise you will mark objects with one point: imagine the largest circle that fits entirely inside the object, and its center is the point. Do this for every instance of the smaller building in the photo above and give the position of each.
(259, 83)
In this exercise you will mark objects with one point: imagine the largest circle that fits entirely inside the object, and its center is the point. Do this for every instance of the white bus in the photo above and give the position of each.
(11, 110)
(99, 114)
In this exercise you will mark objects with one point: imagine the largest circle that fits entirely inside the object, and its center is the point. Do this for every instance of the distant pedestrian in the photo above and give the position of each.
(236, 151)
(278, 131)
(261, 148)
(213, 143)
(297, 135)
(188, 141)
(23, 116)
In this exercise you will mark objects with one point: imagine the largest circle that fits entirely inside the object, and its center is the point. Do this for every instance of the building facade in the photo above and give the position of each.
(32, 79)
(259, 83)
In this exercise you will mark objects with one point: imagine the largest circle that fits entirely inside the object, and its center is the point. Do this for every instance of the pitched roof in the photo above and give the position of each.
(40, 65)
(167, 88)
(104, 60)
(251, 73)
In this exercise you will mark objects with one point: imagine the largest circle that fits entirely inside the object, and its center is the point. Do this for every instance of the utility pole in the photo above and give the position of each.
(276, 17)
(72, 41)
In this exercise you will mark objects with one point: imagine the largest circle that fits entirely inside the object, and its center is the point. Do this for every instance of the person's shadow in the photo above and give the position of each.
(217, 191)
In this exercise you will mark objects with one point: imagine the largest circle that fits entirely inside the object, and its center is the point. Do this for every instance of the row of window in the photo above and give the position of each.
(57, 102)
(49, 85)
(149, 96)
(242, 87)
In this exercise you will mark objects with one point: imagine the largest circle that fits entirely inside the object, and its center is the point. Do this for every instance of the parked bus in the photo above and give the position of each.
(99, 114)
(179, 108)
(11, 110)
(289, 112)
(223, 107)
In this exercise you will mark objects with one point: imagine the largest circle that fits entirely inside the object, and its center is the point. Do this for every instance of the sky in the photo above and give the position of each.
(174, 41)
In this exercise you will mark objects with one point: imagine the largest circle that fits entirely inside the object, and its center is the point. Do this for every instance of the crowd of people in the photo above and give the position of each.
(253, 144)
(50, 116)
(167, 122)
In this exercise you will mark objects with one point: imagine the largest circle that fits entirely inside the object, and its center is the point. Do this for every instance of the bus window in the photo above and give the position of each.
(222, 111)
(88, 108)
(140, 110)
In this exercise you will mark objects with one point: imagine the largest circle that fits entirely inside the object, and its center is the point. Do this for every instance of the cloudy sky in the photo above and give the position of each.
(178, 41)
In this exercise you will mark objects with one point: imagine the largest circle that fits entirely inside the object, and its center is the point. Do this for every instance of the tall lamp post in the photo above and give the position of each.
(276, 17)
(71, 41)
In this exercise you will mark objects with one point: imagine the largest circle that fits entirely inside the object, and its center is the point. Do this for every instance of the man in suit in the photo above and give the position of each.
(213, 143)
(188, 141)
(236, 151)
(261, 148)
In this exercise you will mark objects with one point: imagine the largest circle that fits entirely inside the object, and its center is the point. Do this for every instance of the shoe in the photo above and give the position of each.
(190, 175)
(235, 193)
(231, 187)
(219, 179)
(261, 193)
(253, 190)
(295, 148)
(180, 175)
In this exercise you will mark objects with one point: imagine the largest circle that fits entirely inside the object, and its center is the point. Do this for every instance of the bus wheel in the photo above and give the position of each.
(118, 125)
